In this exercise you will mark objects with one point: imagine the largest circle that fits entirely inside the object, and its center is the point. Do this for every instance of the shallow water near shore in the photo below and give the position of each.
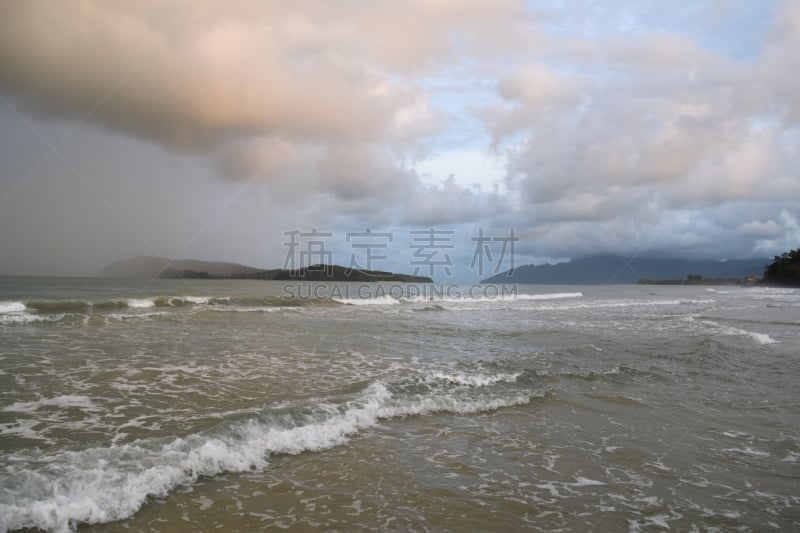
(246, 405)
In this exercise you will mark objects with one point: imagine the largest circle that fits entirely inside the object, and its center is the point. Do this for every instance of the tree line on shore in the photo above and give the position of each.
(784, 270)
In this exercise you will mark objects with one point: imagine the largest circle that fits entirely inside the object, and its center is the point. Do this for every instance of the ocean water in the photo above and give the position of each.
(247, 405)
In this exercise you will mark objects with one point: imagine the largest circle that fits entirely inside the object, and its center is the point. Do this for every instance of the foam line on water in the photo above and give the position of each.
(494, 298)
(61, 402)
(472, 380)
(27, 318)
(378, 300)
(550, 296)
(761, 338)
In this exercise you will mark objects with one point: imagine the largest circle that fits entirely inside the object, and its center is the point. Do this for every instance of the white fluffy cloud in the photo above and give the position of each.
(646, 132)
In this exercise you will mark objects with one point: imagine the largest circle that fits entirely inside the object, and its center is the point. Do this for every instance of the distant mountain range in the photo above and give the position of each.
(150, 267)
(608, 268)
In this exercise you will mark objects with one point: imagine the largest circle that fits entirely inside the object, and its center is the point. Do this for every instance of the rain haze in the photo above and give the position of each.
(213, 130)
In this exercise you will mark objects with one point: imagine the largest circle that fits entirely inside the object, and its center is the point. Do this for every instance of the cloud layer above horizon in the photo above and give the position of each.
(209, 129)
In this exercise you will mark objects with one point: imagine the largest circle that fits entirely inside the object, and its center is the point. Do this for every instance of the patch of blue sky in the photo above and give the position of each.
(732, 28)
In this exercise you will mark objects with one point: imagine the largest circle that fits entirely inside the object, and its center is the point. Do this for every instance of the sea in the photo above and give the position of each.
(225, 405)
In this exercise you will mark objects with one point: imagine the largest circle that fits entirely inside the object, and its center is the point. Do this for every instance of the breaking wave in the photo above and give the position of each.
(60, 490)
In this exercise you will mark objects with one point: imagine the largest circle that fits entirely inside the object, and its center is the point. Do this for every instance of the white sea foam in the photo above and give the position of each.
(761, 338)
(581, 481)
(61, 402)
(659, 520)
(198, 300)
(256, 309)
(735, 434)
(12, 307)
(26, 318)
(104, 484)
(621, 304)
(473, 380)
(493, 298)
(747, 450)
(378, 300)
(125, 316)
(23, 428)
(791, 457)
(550, 296)
(13, 312)
(141, 303)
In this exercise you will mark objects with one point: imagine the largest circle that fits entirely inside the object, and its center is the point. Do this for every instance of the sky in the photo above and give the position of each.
(454, 138)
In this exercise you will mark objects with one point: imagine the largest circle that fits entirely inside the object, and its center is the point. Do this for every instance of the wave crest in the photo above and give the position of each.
(104, 484)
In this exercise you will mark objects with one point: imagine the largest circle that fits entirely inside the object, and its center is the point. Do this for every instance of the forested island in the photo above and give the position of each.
(337, 273)
(160, 267)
